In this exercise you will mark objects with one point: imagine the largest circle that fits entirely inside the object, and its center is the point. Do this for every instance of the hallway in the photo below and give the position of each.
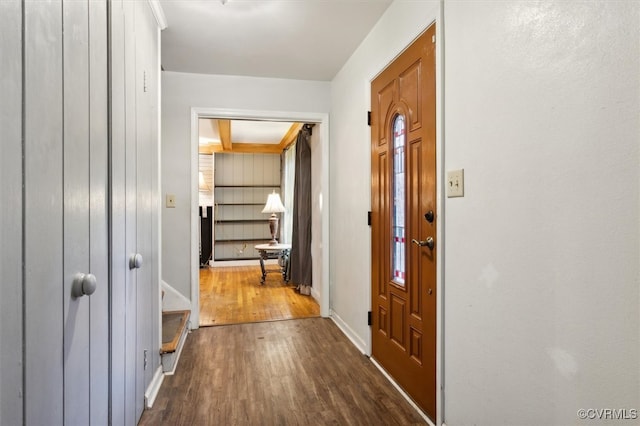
(296, 372)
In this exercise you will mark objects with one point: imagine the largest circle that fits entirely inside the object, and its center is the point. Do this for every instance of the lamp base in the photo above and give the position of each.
(273, 229)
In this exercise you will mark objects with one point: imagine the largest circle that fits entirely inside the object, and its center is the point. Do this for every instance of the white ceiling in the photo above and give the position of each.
(244, 131)
(296, 39)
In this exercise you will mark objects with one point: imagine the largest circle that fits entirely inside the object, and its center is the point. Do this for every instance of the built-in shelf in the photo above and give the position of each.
(246, 240)
(265, 221)
(240, 204)
(242, 184)
(248, 186)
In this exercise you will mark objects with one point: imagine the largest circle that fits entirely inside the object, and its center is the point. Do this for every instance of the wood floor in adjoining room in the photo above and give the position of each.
(297, 372)
(233, 295)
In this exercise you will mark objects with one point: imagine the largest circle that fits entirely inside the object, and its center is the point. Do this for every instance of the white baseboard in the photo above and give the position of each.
(154, 387)
(351, 335)
(315, 294)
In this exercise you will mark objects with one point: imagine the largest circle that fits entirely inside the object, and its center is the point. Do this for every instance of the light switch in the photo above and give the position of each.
(171, 201)
(455, 183)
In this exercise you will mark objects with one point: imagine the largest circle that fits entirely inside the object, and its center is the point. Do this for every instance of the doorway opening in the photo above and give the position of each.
(234, 268)
(246, 172)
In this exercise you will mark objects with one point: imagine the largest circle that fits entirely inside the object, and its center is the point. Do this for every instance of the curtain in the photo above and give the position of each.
(288, 178)
(300, 261)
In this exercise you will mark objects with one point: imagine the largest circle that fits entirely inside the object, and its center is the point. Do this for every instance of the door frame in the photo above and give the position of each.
(239, 114)
(440, 209)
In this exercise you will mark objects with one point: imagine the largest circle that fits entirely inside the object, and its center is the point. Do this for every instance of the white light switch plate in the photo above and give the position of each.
(171, 201)
(455, 183)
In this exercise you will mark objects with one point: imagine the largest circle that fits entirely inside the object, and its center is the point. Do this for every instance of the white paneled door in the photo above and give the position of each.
(85, 163)
(66, 280)
(11, 209)
(135, 210)
(146, 200)
(79, 331)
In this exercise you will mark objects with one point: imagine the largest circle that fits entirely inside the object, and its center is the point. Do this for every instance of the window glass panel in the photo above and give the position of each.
(398, 238)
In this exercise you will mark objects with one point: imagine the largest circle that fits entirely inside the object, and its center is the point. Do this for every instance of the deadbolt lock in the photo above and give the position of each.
(429, 216)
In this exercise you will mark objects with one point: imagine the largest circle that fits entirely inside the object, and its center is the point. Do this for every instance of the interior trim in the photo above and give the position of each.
(290, 116)
(156, 8)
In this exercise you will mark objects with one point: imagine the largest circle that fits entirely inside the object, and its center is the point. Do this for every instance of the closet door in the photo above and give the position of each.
(123, 210)
(85, 157)
(65, 218)
(126, 394)
(134, 355)
(11, 213)
(134, 162)
(43, 214)
(146, 203)
(98, 211)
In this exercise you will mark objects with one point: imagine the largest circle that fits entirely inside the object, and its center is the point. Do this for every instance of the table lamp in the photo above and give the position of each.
(273, 206)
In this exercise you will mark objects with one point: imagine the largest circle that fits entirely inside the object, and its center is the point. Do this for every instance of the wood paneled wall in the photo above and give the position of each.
(205, 165)
(54, 114)
(11, 209)
(135, 207)
(247, 169)
(242, 184)
(56, 349)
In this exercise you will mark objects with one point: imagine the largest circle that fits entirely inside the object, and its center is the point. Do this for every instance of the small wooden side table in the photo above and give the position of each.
(276, 251)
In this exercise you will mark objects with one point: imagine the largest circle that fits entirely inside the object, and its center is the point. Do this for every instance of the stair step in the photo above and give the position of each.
(174, 325)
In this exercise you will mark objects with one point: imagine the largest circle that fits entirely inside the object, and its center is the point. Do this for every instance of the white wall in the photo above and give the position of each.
(183, 91)
(541, 257)
(542, 253)
(350, 159)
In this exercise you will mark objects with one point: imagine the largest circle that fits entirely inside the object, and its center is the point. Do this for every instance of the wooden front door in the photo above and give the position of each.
(403, 202)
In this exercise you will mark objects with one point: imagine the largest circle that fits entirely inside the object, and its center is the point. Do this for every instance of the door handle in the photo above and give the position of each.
(135, 261)
(84, 285)
(426, 243)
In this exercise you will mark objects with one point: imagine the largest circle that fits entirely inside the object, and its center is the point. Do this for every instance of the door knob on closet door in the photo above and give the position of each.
(135, 261)
(84, 285)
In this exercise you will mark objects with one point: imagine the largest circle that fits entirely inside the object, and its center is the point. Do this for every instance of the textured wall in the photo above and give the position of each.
(180, 93)
(541, 261)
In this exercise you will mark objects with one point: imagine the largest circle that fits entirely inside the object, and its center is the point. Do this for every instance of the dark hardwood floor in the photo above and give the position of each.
(294, 372)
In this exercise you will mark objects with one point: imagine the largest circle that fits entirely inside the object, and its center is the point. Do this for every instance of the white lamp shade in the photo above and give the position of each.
(274, 204)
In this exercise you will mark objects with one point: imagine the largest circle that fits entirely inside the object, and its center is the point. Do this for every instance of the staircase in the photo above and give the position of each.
(175, 327)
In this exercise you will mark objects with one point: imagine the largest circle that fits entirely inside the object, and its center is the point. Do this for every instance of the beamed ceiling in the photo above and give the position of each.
(245, 136)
